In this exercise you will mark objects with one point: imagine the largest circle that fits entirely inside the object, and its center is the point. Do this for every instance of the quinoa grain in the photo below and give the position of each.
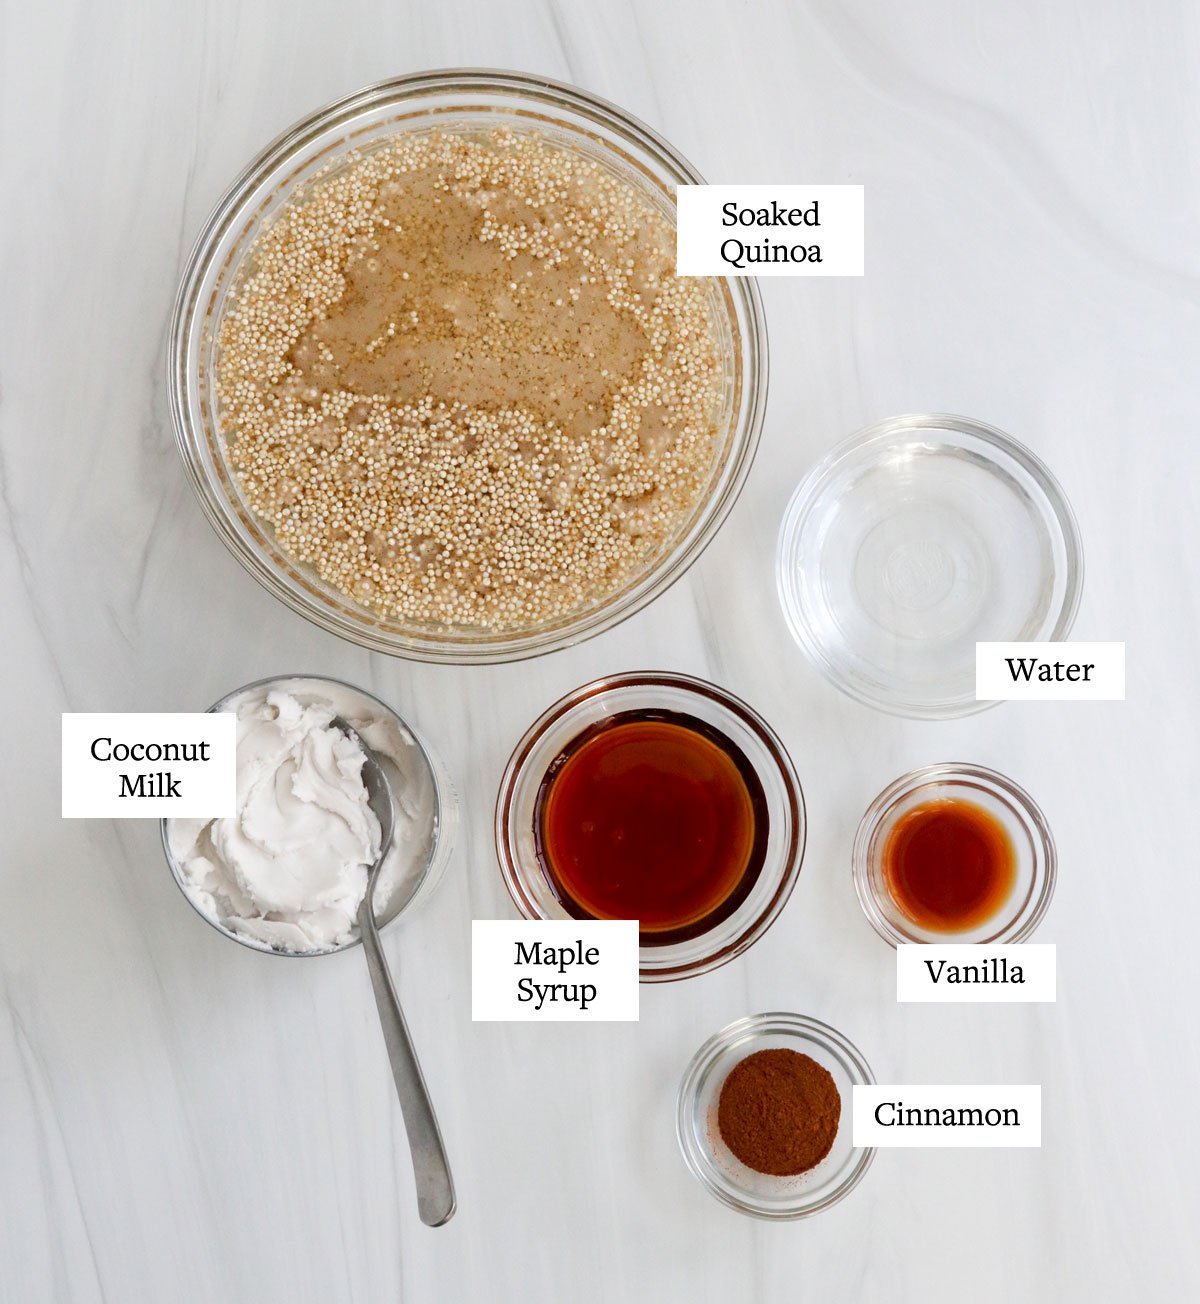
(461, 380)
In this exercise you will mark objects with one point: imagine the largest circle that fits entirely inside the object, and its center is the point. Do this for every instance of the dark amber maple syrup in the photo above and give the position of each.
(949, 865)
(656, 816)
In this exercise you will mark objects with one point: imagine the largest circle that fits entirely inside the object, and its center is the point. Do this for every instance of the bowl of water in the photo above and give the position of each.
(915, 539)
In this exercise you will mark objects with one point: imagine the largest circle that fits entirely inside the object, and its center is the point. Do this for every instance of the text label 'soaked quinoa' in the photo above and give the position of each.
(462, 381)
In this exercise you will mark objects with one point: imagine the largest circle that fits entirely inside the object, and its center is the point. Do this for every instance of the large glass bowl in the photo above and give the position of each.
(544, 741)
(452, 99)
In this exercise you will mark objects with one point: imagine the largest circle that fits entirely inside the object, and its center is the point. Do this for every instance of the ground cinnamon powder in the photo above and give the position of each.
(779, 1111)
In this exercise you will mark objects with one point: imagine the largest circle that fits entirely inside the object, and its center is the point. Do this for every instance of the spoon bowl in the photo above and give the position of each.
(379, 799)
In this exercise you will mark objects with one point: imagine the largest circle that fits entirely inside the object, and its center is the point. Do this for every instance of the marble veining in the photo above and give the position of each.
(184, 1119)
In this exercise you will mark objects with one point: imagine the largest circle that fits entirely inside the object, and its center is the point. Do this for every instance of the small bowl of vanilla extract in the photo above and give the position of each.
(657, 797)
(954, 853)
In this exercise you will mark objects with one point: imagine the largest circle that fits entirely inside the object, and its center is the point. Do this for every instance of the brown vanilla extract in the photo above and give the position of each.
(949, 865)
(652, 815)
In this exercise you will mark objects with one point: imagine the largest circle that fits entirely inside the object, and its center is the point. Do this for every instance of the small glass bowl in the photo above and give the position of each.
(657, 690)
(445, 798)
(452, 99)
(1033, 844)
(915, 539)
(710, 1160)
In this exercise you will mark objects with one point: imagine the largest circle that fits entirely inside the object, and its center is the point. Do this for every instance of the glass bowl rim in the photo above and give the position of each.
(442, 799)
(189, 314)
(751, 1027)
(792, 859)
(880, 434)
(949, 773)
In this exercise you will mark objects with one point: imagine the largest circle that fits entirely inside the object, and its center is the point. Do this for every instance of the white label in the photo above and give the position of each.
(130, 765)
(554, 971)
(944, 1117)
(769, 231)
(976, 973)
(1080, 672)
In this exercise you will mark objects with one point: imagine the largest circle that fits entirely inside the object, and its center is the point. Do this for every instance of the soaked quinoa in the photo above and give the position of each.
(462, 381)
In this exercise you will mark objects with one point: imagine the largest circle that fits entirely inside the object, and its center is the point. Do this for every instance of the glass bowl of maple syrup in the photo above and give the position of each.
(954, 853)
(657, 797)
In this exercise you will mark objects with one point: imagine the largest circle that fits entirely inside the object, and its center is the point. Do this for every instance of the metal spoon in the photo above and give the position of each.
(435, 1186)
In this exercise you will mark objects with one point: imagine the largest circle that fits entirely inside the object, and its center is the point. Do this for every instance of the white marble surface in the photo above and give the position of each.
(186, 1120)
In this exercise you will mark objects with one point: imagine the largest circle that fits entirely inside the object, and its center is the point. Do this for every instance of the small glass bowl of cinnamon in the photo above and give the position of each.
(954, 853)
(823, 1055)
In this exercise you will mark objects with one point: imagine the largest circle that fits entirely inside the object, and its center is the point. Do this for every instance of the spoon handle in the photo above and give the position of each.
(435, 1186)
